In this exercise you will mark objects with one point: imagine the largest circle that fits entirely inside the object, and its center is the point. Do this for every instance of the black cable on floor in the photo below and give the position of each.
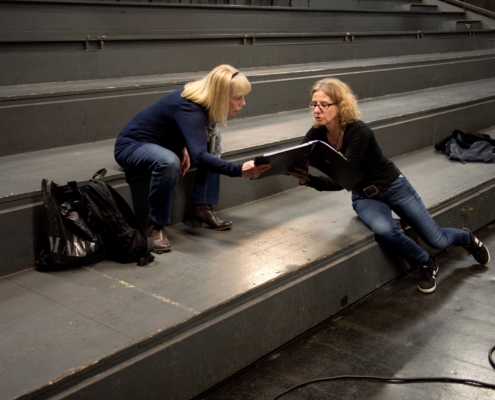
(490, 357)
(469, 382)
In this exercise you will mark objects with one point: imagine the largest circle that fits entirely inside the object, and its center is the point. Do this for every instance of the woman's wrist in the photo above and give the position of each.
(305, 183)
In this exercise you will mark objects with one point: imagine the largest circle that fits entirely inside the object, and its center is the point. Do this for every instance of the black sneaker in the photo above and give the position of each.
(477, 249)
(427, 276)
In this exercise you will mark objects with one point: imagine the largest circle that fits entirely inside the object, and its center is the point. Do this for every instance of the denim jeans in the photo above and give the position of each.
(401, 197)
(164, 166)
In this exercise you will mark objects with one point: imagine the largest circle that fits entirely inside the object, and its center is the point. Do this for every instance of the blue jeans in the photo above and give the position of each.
(401, 197)
(164, 166)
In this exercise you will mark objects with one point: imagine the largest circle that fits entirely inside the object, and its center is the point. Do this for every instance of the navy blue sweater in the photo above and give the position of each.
(173, 122)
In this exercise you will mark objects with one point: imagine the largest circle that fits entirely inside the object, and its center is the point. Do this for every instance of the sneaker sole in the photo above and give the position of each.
(479, 262)
(486, 249)
(488, 256)
(427, 290)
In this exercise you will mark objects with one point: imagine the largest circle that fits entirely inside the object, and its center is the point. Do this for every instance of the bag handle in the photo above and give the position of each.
(100, 174)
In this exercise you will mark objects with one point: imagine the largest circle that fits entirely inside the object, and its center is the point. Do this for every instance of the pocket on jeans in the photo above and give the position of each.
(398, 185)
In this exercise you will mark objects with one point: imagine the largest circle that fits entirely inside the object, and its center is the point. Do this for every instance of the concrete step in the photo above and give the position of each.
(402, 123)
(385, 5)
(463, 24)
(40, 60)
(217, 302)
(395, 329)
(69, 113)
(71, 40)
(317, 4)
(24, 18)
(423, 7)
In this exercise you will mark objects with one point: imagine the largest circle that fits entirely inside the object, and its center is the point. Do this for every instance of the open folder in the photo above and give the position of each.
(320, 155)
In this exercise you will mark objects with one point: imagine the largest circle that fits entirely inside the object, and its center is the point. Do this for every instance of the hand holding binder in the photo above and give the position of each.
(320, 155)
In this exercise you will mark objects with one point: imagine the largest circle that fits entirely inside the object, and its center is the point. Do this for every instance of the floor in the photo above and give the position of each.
(75, 321)
(397, 332)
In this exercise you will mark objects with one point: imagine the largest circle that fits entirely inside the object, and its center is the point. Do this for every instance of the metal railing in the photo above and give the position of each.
(470, 7)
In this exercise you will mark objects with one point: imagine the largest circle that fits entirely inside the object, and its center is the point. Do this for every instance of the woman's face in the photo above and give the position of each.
(326, 117)
(236, 104)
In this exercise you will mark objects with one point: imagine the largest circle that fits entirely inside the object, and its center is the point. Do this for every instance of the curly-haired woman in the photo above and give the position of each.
(384, 188)
(164, 137)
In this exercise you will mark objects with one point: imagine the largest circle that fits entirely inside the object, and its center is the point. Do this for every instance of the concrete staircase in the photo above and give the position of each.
(219, 300)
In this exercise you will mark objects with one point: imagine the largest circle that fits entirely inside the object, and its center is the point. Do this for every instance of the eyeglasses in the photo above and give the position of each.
(323, 106)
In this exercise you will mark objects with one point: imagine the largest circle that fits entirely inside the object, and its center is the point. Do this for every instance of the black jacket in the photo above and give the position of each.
(361, 149)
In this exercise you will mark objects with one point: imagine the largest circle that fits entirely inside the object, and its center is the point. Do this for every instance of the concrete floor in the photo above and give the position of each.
(397, 332)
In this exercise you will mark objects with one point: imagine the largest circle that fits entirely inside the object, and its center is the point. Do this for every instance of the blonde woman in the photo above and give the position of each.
(384, 188)
(178, 129)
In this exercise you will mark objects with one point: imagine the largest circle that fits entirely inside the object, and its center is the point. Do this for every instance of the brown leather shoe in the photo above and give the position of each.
(204, 213)
(160, 241)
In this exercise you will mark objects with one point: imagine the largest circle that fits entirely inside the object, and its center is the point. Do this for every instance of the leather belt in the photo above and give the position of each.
(368, 191)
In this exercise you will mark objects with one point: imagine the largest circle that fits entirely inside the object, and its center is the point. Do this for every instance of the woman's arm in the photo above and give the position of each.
(358, 139)
(320, 183)
(253, 171)
(191, 120)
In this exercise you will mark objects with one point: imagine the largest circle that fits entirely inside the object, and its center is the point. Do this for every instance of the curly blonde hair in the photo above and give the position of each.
(342, 96)
(214, 90)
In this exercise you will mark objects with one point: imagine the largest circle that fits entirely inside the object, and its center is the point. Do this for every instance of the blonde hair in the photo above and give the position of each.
(342, 96)
(214, 90)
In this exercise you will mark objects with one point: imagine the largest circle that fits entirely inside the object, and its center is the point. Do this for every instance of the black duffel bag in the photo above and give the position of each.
(110, 215)
(69, 241)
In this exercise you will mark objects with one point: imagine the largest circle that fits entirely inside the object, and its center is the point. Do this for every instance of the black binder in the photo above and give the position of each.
(320, 155)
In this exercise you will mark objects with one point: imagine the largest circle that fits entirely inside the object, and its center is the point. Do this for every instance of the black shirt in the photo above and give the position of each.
(361, 149)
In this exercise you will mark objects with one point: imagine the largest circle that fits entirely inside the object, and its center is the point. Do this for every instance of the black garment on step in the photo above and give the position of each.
(464, 139)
